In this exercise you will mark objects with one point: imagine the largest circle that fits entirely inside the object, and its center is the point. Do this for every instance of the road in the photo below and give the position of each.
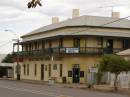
(20, 89)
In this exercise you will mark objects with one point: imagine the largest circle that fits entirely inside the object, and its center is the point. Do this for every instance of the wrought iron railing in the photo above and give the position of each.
(70, 51)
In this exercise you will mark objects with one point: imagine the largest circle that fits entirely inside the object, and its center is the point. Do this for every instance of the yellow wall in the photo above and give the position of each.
(85, 61)
(68, 62)
(84, 42)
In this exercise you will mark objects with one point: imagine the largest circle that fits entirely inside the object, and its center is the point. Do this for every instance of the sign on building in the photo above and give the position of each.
(93, 70)
(72, 50)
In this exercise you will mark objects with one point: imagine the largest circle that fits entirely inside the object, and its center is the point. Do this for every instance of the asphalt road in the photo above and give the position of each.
(20, 89)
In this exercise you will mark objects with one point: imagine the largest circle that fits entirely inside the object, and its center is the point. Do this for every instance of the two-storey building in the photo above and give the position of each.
(66, 50)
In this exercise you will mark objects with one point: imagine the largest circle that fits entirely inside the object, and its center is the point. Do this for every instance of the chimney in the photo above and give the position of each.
(75, 13)
(116, 14)
(55, 20)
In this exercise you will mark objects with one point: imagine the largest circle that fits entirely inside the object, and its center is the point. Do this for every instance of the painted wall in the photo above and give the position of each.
(67, 62)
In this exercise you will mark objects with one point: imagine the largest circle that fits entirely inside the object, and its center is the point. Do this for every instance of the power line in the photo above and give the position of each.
(107, 6)
(115, 20)
(13, 33)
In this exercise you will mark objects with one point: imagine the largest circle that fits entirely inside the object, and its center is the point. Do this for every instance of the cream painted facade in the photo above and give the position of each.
(44, 52)
(68, 62)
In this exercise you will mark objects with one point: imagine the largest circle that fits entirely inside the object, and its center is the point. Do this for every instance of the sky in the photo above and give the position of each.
(16, 19)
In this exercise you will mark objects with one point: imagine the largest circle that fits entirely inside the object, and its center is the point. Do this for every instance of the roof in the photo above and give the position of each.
(84, 21)
(124, 53)
(108, 34)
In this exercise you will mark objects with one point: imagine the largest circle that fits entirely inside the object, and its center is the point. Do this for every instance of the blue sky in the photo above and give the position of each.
(15, 15)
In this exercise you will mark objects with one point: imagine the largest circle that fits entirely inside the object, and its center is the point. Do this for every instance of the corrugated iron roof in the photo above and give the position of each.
(84, 21)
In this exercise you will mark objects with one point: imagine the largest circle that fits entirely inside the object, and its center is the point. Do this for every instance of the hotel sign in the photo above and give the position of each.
(72, 50)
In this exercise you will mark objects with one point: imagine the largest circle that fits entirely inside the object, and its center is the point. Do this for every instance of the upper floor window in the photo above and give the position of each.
(50, 44)
(30, 47)
(26, 47)
(76, 42)
(36, 45)
(126, 43)
(61, 42)
(43, 44)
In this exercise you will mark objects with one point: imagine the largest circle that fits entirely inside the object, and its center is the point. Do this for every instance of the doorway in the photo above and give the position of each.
(76, 73)
(42, 72)
(109, 46)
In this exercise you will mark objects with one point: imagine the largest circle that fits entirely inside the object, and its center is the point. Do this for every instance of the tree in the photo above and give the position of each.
(114, 64)
(8, 59)
(34, 3)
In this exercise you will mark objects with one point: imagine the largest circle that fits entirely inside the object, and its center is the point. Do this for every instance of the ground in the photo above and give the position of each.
(20, 89)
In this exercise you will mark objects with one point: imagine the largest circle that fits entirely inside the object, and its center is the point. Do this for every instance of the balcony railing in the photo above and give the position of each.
(69, 51)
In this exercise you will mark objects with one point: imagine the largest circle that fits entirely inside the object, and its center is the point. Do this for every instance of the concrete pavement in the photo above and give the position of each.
(18, 89)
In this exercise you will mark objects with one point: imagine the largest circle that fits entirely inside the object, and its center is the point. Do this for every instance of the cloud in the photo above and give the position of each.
(15, 15)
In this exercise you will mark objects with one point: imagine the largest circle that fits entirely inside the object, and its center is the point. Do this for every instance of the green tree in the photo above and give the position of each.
(34, 3)
(114, 64)
(8, 59)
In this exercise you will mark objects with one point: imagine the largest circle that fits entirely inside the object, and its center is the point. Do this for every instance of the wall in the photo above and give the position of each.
(68, 62)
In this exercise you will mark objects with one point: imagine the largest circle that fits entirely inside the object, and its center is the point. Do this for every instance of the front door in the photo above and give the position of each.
(76, 74)
(109, 46)
(42, 72)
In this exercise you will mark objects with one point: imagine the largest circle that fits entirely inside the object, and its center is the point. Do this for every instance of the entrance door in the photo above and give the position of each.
(109, 46)
(42, 72)
(76, 74)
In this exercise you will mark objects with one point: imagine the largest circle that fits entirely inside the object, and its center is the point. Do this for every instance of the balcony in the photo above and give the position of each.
(68, 51)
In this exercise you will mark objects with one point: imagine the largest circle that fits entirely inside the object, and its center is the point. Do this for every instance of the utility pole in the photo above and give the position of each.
(18, 65)
(17, 54)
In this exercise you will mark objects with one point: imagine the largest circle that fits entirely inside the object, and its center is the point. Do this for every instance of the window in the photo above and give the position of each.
(27, 69)
(126, 43)
(36, 45)
(61, 66)
(26, 47)
(35, 70)
(49, 70)
(54, 66)
(61, 42)
(43, 44)
(76, 42)
(30, 47)
(81, 73)
(45, 67)
(50, 44)
(24, 69)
